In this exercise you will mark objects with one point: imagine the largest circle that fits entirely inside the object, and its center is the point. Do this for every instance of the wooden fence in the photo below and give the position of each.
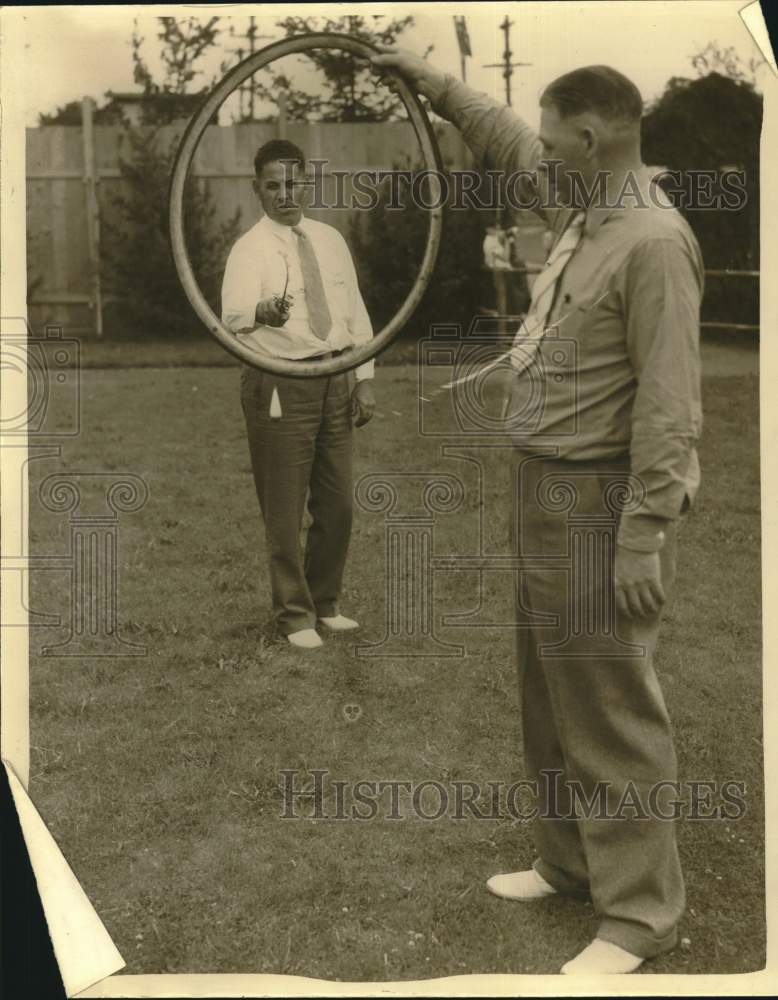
(74, 178)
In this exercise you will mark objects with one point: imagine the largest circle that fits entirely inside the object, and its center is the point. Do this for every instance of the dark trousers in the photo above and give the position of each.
(308, 451)
(597, 737)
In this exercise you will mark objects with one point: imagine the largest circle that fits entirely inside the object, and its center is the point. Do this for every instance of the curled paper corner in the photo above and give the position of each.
(84, 950)
(753, 18)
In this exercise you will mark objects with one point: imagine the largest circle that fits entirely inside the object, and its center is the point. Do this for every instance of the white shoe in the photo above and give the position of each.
(340, 623)
(524, 886)
(602, 958)
(307, 638)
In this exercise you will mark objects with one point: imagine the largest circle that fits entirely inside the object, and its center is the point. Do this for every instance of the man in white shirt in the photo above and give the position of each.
(290, 291)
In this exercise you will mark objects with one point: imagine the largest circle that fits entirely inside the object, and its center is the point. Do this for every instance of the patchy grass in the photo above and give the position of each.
(159, 775)
(722, 354)
(201, 351)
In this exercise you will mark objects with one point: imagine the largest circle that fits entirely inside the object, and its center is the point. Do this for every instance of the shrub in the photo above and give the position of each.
(708, 124)
(138, 268)
(388, 248)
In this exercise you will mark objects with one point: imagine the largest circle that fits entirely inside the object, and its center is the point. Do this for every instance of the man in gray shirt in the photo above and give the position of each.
(622, 286)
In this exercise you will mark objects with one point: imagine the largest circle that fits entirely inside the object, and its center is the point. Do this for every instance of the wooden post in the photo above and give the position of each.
(500, 289)
(463, 40)
(92, 209)
(501, 296)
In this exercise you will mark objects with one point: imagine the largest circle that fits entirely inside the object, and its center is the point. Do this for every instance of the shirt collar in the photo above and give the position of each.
(282, 232)
(596, 215)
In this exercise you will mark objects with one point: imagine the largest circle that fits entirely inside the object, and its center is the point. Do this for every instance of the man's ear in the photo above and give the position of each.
(255, 185)
(590, 140)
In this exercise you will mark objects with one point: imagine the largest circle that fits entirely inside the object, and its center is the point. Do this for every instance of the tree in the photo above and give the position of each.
(138, 268)
(70, 114)
(139, 276)
(727, 62)
(349, 91)
(711, 124)
(388, 245)
(183, 43)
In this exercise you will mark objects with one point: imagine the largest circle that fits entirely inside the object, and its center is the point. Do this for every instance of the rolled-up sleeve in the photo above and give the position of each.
(239, 293)
(496, 136)
(663, 289)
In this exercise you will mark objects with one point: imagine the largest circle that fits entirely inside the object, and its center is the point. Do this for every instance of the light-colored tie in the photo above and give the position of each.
(319, 316)
(527, 340)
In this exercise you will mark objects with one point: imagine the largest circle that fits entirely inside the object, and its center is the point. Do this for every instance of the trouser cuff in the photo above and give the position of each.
(296, 625)
(636, 940)
(558, 879)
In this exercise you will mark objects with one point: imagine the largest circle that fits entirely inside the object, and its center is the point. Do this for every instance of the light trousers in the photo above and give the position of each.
(597, 736)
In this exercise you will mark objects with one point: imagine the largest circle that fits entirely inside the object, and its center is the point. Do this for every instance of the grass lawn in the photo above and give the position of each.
(723, 353)
(159, 775)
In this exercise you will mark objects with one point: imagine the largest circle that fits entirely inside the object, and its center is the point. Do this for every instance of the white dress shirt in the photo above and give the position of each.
(257, 269)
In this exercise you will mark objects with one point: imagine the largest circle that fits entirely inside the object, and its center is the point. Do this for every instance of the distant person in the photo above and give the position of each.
(617, 429)
(496, 249)
(290, 290)
(518, 287)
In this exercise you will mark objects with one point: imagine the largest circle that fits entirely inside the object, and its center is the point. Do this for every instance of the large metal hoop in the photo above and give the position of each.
(186, 150)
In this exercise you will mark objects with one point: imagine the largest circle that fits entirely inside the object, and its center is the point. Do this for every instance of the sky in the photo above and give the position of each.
(75, 51)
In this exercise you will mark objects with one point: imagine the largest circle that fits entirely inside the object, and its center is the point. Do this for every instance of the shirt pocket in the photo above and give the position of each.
(335, 286)
(584, 307)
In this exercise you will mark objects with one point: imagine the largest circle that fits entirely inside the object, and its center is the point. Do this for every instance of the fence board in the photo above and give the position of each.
(59, 221)
(58, 249)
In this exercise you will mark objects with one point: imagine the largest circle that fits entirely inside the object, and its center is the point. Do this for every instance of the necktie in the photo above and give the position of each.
(319, 316)
(527, 341)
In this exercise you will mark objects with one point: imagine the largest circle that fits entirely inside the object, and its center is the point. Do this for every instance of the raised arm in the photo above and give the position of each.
(495, 134)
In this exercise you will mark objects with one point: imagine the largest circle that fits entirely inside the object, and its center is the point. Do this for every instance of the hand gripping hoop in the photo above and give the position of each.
(186, 151)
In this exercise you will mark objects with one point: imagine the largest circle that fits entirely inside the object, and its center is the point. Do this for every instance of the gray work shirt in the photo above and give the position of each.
(626, 311)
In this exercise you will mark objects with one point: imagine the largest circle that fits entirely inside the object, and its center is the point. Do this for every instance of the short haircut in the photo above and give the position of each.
(278, 150)
(601, 89)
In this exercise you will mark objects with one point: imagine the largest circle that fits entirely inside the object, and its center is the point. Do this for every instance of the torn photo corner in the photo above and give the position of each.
(83, 948)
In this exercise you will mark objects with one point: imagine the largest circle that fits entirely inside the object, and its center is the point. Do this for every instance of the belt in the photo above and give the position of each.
(321, 357)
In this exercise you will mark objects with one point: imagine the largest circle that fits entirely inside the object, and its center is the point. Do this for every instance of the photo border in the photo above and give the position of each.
(14, 643)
